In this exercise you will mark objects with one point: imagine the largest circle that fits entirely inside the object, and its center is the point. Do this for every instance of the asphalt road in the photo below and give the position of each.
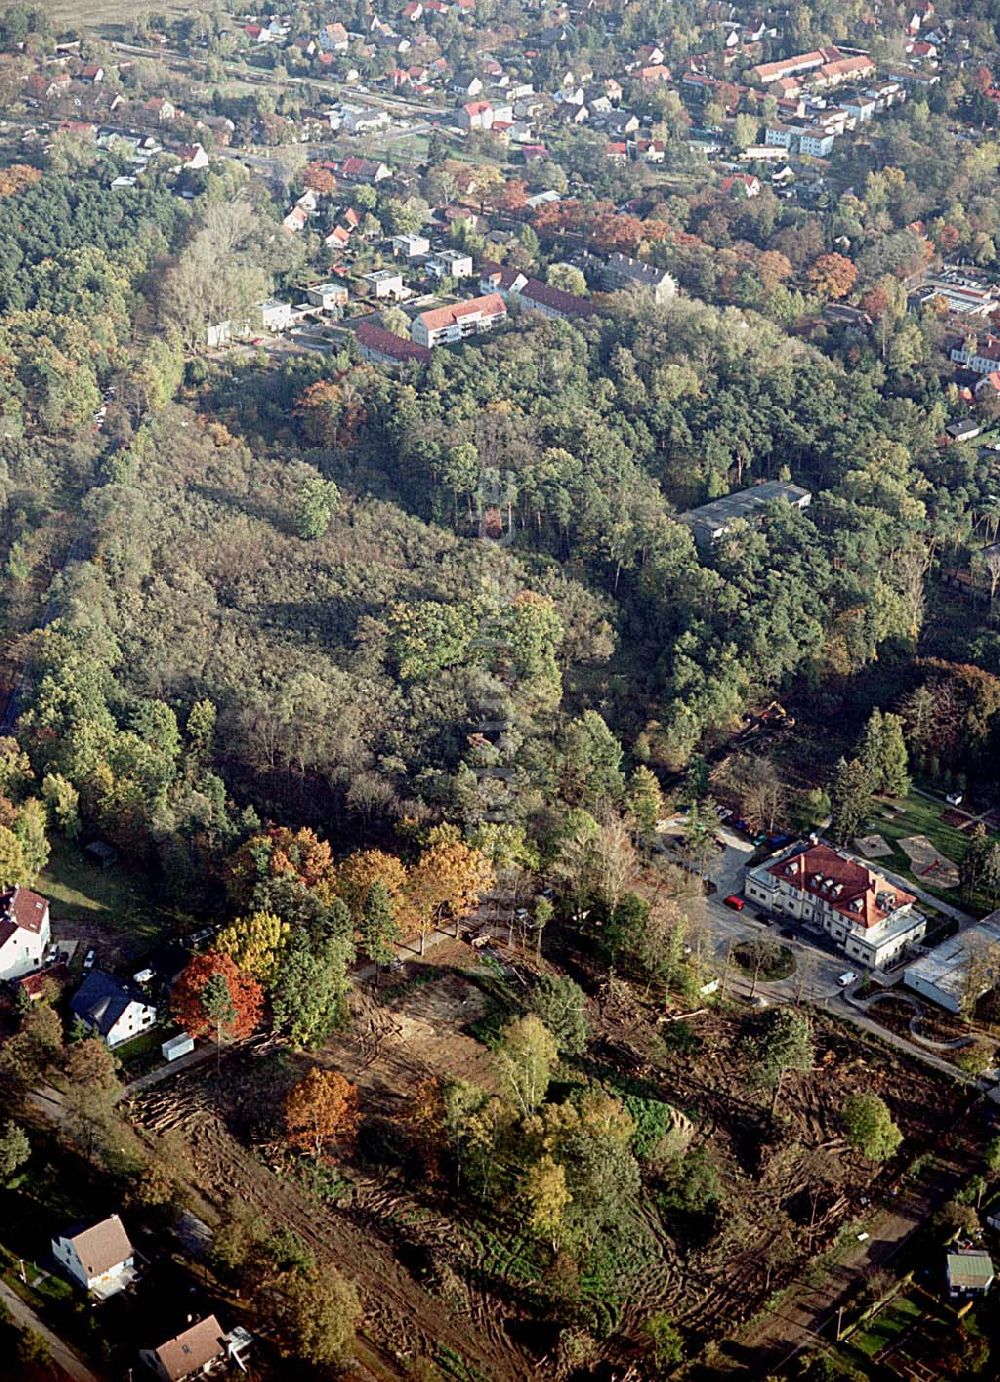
(62, 1355)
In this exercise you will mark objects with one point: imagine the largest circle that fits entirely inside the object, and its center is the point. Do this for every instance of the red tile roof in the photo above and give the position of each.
(388, 343)
(845, 885)
(490, 305)
(569, 304)
(24, 908)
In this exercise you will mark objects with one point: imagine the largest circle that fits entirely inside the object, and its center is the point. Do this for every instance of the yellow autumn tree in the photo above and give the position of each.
(546, 1196)
(353, 879)
(254, 943)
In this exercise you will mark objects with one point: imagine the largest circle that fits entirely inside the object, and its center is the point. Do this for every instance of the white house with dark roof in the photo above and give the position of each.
(113, 1010)
(99, 1258)
(24, 932)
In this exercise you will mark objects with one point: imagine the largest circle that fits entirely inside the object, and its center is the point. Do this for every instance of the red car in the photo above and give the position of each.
(737, 903)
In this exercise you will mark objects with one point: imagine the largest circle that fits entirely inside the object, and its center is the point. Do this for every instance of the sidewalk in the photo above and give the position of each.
(62, 1355)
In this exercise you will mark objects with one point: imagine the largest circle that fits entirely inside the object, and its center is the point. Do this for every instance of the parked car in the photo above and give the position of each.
(955, 798)
(779, 838)
(844, 979)
(737, 903)
(89, 958)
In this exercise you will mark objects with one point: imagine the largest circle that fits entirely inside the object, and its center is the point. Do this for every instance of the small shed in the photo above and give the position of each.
(105, 854)
(177, 1046)
(970, 1272)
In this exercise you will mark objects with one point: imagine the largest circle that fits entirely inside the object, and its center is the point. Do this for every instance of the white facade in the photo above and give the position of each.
(870, 920)
(450, 264)
(274, 315)
(99, 1259)
(24, 933)
(411, 246)
(385, 283)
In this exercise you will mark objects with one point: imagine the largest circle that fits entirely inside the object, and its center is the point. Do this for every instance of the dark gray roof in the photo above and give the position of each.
(100, 1000)
(714, 517)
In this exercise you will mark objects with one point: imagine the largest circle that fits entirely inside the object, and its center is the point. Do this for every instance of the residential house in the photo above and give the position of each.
(966, 429)
(411, 246)
(91, 73)
(655, 75)
(113, 1009)
(274, 315)
(476, 115)
(362, 170)
(363, 119)
(24, 932)
(869, 918)
(616, 151)
(814, 143)
(328, 297)
(446, 325)
(450, 264)
(767, 73)
(385, 283)
(386, 348)
(296, 220)
(191, 156)
(160, 109)
(981, 358)
(467, 84)
(100, 1258)
(622, 271)
(987, 389)
(198, 1350)
(741, 185)
(337, 239)
(502, 279)
(554, 303)
(970, 1273)
(332, 38)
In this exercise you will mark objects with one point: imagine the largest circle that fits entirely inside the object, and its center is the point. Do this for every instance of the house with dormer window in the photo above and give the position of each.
(869, 918)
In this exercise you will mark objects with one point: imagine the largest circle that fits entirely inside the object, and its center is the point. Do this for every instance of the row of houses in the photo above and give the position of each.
(100, 1259)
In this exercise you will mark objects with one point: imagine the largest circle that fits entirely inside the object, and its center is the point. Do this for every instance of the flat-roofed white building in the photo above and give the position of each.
(945, 973)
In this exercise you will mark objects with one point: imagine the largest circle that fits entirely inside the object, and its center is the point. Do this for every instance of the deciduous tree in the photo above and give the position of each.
(524, 1059)
(869, 1127)
(321, 1111)
(245, 998)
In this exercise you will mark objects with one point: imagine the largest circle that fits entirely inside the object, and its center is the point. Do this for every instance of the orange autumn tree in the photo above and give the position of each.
(277, 853)
(447, 880)
(202, 980)
(319, 178)
(321, 1111)
(833, 275)
(17, 177)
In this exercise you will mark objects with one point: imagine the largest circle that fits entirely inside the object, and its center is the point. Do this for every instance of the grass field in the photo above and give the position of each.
(921, 816)
(100, 900)
(89, 14)
(886, 1327)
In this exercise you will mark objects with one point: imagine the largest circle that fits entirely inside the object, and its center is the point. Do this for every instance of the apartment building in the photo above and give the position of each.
(447, 325)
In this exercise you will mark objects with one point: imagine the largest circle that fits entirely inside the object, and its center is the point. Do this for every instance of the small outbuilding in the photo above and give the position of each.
(970, 1272)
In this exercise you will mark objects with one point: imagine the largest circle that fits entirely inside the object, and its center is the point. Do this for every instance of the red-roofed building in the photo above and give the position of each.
(386, 348)
(871, 919)
(24, 932)
(741, 184)
(476, 115)
(446, 325)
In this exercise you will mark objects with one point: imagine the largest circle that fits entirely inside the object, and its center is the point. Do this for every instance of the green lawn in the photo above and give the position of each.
(886, 1327)
(80, 890)
(921, 816)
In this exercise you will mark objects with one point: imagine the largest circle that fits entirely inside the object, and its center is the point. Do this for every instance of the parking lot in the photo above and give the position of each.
(817, 968)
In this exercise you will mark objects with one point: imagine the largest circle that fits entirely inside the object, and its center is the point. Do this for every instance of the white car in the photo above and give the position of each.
(844, 979)
(89, 958)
